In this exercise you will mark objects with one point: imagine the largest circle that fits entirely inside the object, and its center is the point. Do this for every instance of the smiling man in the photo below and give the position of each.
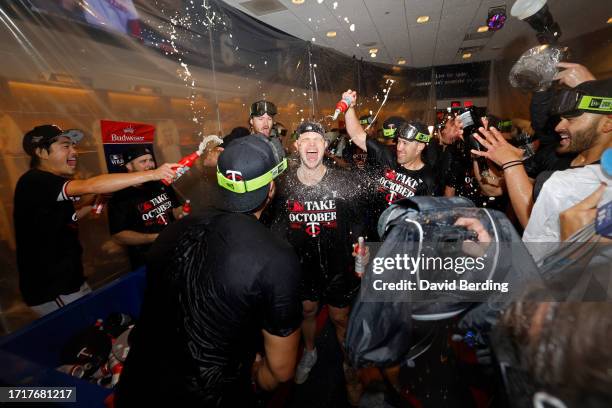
(261, 121)
(46, 229)
(396, 174)
(317, 210)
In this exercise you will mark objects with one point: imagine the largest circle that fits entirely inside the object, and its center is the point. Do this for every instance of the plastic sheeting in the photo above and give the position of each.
(187, 68)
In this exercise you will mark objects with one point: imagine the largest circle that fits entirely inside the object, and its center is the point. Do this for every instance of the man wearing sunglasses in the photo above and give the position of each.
(398, 173)
(261, 121)
(219, 284)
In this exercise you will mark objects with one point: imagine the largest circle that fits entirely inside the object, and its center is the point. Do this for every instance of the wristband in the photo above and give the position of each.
(510, 162)
(512, 165)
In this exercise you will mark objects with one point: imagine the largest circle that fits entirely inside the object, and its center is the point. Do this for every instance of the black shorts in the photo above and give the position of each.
(337, 289)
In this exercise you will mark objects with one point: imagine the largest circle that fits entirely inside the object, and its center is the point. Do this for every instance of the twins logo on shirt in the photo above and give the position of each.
(311, 216)
(155, 210)
(397, 185)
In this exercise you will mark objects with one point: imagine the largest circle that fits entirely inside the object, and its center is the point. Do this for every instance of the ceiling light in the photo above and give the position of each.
(373, 54)
(297, 1)
(401, 61)
(610, 20)
(496, 18)
(373, 50)
(319, 1)
(483, 29)
(331, 34)
(466, 55)
(313, 39)
(352, 27)
(422, 19)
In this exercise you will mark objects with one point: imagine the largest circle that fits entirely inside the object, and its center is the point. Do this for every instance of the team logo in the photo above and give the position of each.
(233, 175)
(313, 228)
(390, 174)
(295, 206)
(116, 159)
(128, 129)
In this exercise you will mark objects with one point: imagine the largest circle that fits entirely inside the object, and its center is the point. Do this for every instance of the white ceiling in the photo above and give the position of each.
(391, 25)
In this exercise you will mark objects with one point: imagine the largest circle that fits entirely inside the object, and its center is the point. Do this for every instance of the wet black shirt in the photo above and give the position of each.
(391, 182)
(322, 221)
(146, 209)
(214, 281)
(48, 248)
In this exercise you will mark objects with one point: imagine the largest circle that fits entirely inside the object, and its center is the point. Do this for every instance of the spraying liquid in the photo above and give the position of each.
(187, 162)
(390, 82)
(341, 107)
(361, 251)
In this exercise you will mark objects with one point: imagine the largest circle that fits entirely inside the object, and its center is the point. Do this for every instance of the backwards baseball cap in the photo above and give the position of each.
(244, 170)
(260, 108)
(45, 135)
(309, 126)
(391, 124)
(414, 131)
(590, 96)
(135, 151)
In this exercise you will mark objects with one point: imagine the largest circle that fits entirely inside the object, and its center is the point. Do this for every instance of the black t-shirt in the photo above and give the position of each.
(391, 182)
(146, 209)
(321, 222)
(353, 155)
(48, 248)
(214, 281)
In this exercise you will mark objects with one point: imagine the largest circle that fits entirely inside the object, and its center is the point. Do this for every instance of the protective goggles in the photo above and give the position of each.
(571, 103)
(245, 186)
(409, 132)
(260, 108)
(365, 121)
(389, 132)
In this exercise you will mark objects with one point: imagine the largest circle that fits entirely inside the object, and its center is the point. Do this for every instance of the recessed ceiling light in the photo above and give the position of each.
(466, 55)
(297, 1)
(319, 1)
(401, 61)
(610, 20)
(483, 29)
(313, 39)
(373, 50)
(331, 34)
(422, 19)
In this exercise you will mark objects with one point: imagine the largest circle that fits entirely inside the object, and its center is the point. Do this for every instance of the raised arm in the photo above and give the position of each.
(510, 158)
(109, 183)
(353, 127)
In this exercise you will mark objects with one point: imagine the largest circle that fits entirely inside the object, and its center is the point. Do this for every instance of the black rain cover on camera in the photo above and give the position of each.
(380, 326)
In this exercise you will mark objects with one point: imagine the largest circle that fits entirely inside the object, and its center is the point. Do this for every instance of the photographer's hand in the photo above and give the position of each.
(475, 249)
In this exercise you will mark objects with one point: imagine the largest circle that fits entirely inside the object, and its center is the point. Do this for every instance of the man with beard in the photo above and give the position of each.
(586, 129)
(46, 227)
(261, 121)
(395, 174)
(318, 211)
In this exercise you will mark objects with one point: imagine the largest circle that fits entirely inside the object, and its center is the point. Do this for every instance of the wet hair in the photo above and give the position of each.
(570, 352)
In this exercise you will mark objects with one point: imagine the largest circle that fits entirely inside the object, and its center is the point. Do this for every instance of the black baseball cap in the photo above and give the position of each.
(260, 108)
(135, 151)
(310, 126)
(245, 169)
(589, 96)
(366, 119)
(391, 124)
(45, 135)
